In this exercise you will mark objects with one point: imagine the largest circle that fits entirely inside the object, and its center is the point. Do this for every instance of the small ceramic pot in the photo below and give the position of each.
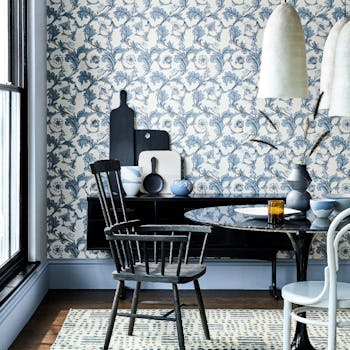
(131, 177)
(181, 187)
(322, 208)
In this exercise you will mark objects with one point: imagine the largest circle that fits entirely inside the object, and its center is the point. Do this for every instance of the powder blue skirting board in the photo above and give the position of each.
(17, 310)
(231, 274)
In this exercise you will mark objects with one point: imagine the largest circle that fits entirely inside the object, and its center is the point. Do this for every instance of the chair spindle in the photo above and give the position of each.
(187, 247)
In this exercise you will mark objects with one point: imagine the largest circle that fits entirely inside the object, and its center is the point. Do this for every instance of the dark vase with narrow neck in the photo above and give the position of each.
(299, 180)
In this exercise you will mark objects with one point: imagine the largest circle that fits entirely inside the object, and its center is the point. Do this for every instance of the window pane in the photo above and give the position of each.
(4, 175)
(4, 42)
(13, 151)
(15, 171)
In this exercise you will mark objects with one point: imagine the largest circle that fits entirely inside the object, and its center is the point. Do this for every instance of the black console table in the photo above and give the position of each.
(162, 209)
(168, 209)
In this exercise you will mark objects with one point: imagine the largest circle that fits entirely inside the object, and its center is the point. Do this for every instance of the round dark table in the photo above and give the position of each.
(300, 229)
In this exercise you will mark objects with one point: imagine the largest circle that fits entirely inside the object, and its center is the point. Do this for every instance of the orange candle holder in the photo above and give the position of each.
(275, 212)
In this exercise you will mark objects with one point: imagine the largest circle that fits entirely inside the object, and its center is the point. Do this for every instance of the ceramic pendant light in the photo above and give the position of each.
(340, 94)
(283, 61)
(328, 59)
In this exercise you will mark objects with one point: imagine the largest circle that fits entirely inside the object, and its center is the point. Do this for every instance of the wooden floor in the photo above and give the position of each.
(43, 327)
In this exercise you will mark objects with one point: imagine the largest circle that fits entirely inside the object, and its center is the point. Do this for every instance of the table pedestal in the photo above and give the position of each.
(301, 242)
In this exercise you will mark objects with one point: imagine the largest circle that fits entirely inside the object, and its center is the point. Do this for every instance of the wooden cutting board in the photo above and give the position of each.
(121, 132)
(146, 140)
(168, 166)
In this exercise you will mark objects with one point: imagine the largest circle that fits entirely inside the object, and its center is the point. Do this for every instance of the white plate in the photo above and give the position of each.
(261, 212)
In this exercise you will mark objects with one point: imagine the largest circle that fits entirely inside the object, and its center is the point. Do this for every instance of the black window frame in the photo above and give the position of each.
(18, 83)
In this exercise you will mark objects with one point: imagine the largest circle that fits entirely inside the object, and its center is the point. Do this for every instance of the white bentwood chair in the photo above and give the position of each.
(328, 294)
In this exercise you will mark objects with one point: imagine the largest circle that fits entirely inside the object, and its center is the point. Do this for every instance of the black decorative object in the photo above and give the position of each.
(121, 132)
(299, 180)
(146, 140)
(153, 183)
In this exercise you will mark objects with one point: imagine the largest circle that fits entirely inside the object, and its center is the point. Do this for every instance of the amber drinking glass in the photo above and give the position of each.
(275, 212)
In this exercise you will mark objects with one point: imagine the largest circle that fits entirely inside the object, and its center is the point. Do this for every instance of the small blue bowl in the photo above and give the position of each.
(181, 187)
(322, 208)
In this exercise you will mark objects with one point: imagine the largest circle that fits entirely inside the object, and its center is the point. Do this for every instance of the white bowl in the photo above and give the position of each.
(131, 176)
(323, 207)
(131, 173)
(131, 188)
(342, 201)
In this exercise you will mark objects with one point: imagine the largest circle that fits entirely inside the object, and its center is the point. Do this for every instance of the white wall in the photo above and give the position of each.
(37, 130)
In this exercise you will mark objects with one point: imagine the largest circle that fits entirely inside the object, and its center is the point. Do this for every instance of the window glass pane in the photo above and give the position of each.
(13, 250)
(4, 42)
(4, 175)
(15, 171)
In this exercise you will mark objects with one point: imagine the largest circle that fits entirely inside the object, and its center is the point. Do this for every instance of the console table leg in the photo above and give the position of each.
(301, 338)
(274, 291)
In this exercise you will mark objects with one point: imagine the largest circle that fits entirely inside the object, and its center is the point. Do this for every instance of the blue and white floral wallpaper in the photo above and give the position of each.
(190, 67)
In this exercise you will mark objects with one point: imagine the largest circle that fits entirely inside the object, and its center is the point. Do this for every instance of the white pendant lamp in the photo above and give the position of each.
(340, 93)
(328, 59)
(283, 59)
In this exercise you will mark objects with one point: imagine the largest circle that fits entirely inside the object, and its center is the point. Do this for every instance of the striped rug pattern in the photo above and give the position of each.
(229, 329)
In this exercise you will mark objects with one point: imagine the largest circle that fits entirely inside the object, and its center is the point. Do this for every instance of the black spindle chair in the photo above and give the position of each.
(147, 253)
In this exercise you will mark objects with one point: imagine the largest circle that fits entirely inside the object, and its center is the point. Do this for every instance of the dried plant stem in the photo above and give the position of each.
(264, 142)
(324, 135)
(268, 119)
(318, 104)
(307, 125)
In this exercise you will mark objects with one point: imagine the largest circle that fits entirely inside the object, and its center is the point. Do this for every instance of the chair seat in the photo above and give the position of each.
(304, 292)
(189, 272)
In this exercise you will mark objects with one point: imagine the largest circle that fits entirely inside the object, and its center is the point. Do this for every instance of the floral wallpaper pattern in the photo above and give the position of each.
(190, 67)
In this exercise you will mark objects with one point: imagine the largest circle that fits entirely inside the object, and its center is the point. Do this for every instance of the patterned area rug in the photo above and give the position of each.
(229, 329)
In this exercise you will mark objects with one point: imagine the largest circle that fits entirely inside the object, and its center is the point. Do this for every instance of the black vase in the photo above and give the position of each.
(299, 180)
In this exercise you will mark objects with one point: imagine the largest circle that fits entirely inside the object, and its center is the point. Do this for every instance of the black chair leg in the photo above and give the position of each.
(180, 332)
(135, 300)
(201, 309)
(113, 314)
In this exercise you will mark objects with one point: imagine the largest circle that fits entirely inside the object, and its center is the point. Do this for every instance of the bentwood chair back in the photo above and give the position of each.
(147, 253)
(329, 294)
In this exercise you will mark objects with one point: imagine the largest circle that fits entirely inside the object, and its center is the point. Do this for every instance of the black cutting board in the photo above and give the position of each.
(121, 132)
(146, 140)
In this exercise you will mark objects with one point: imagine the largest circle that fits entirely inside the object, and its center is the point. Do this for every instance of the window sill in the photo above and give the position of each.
(14, 283)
